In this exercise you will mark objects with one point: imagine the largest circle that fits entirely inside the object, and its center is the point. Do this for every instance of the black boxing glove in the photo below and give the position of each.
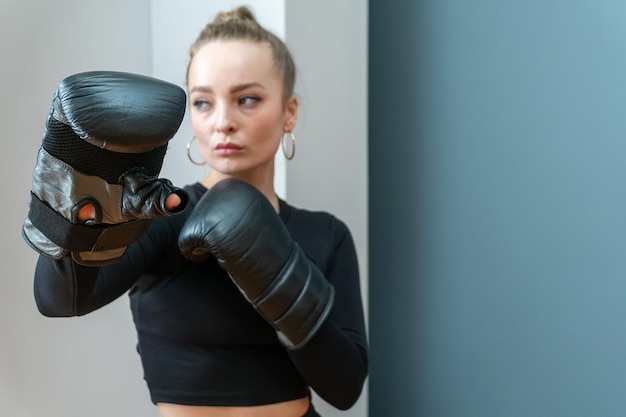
(238, 225)
(104, 142)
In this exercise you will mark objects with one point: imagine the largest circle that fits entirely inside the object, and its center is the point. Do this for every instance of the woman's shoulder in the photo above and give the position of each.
(311, 222)
(322, 235)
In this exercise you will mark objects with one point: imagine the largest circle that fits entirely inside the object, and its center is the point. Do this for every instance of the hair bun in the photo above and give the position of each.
(240, 13)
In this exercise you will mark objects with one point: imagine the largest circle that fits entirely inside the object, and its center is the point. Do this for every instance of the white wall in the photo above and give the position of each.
(88, 366)
(59, 367)
(329, 172)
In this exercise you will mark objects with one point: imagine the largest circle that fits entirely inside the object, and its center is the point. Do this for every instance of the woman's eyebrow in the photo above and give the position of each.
(201, 89)
(233, 89)
(245, 86)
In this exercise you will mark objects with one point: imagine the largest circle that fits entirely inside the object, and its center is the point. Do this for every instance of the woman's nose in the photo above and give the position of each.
(225, 119)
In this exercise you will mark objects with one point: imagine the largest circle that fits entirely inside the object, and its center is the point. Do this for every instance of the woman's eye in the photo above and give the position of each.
(249, 100)
(201, 104)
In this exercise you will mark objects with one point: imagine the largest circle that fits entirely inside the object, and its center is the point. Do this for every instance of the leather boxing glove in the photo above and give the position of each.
(238, 225)
(104, 142)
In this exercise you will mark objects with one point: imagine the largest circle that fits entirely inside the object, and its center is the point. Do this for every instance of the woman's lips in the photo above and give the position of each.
(225, 149)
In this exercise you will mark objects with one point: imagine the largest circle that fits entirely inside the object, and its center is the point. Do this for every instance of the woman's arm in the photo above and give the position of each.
(63, 288)
(335, 361)
(316, 310)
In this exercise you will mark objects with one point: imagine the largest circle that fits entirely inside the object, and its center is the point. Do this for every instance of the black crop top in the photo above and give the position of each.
(200, 341)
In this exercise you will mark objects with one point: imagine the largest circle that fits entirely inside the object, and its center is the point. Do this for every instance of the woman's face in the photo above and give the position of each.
(237, 110)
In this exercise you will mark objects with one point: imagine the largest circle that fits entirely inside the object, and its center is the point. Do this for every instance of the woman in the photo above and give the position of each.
(206, 348)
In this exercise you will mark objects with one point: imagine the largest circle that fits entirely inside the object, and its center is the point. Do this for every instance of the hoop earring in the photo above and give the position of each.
(288, 156)
(189, 153)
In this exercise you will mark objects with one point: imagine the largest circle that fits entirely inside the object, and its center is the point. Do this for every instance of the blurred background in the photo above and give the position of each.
(497, 208)
(475, 149)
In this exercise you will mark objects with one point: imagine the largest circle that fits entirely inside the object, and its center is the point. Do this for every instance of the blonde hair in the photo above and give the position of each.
(240, 24)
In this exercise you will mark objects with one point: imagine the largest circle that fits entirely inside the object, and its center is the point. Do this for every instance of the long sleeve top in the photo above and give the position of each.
(200, 341)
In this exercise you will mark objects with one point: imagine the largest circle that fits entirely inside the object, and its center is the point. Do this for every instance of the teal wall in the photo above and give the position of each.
(497, 165)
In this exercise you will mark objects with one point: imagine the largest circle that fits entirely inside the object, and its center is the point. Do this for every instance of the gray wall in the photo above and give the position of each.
(497, 208)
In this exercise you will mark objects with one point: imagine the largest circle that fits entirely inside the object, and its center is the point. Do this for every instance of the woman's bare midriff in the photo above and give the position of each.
(293, 408)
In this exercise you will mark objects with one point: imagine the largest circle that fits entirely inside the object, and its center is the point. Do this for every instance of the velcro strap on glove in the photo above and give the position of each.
(77, 237)
(123, 211)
